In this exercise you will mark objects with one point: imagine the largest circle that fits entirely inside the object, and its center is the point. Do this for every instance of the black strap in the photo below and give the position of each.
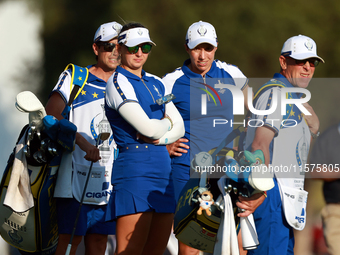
(73, 94)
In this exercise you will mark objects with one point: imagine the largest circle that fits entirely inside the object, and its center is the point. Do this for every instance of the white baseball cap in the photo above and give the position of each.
(107, 32)
(201, 32)
(135, 36)
(300, 47)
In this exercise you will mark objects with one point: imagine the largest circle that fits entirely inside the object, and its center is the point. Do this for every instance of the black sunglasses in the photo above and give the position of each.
(146, 48)
(109, 47)
(313, 62)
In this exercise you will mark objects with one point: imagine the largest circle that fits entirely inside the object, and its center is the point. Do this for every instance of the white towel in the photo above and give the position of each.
(226, 240)
(63, 187)
(19, 195)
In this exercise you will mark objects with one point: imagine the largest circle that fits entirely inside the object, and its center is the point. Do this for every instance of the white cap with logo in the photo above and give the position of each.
(135, 36)
(107, 32)
(201, 32)
(300, 47)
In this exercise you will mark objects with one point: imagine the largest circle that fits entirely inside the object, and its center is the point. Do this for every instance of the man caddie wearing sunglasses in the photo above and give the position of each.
(87, 114)
(285, 145)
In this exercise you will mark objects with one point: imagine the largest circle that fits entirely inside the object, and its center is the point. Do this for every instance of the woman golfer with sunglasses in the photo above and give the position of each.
(142, 201)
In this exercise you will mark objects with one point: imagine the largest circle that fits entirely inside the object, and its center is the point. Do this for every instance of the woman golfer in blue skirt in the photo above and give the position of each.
(142, 200)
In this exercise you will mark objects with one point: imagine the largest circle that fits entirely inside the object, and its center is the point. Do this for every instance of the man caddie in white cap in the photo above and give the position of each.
(300, 47)
(87, 112)
(285, 141)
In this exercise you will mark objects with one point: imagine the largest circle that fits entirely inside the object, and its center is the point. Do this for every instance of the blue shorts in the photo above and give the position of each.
(275, 234)
(91, 218)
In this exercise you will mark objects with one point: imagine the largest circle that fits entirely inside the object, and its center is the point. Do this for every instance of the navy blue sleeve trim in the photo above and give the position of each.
(115, 83)
(268, 104)
(59, 86)
(62, 80)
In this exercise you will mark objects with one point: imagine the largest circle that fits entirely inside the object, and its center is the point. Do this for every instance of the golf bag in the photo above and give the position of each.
(34, 231)
(32, 228)
(215, 229)
(200, 230)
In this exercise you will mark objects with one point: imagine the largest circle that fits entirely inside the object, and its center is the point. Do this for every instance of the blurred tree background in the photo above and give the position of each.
(250, 35)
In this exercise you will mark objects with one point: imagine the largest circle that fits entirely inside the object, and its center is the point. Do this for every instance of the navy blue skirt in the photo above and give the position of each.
(141, 179)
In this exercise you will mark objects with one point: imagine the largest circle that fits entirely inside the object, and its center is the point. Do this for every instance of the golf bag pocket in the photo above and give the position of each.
(99, 186)
(34, 231)
(294, 202)
(200, 231)
(197, 231)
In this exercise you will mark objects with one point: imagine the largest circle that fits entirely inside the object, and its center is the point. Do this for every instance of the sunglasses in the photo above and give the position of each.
(146, 48)
(109, 47)
(313, 62)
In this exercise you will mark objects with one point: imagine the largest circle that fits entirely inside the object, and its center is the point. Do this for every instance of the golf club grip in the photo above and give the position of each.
(68, 250)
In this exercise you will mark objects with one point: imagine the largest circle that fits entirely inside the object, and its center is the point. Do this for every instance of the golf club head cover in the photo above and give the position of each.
(256, 173)
(249, 160)
(26, 101)
(235, 172)
(232, 168)
(261, 178)
(51, 125)
(242, 166)
(252, 158)
(67, 134)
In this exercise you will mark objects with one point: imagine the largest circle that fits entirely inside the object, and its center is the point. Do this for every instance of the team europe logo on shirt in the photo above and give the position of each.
(156, 89)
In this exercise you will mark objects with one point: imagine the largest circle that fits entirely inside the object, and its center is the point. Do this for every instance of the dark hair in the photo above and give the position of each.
(131, 25)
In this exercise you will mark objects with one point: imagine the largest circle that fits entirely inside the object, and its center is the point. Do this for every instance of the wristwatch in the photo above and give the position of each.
(314, 135)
